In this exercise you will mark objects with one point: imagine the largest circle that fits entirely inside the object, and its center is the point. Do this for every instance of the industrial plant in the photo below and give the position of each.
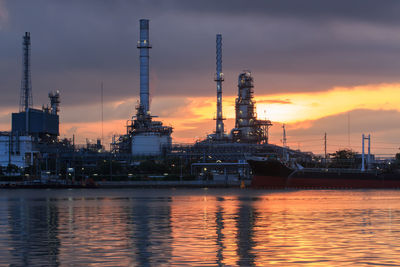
(34, 131)
(144, 137)
(34, 150)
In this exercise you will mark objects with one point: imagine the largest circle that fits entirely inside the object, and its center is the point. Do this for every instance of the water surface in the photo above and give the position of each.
(220, 227)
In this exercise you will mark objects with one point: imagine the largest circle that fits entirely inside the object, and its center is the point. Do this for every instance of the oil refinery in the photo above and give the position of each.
(33, 149)
(144, 137)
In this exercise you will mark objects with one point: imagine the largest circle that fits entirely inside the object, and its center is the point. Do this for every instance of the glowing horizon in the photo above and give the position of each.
(192, 117)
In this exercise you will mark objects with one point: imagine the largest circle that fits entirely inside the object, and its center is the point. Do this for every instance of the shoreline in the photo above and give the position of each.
(130, 184)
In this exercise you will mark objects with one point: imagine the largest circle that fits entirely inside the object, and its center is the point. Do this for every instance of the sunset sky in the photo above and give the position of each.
(318, 66)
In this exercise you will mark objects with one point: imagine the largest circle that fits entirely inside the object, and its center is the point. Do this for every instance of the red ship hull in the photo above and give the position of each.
(272, 182)
(275, 174)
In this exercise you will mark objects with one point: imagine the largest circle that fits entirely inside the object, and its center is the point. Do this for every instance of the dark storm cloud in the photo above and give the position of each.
(368, 10)
(289, 46)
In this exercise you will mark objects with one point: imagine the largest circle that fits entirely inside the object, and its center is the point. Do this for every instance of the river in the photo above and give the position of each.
(214, 227)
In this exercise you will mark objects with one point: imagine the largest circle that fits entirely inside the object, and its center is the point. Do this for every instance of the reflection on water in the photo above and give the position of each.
(32, 230)
(199, 227)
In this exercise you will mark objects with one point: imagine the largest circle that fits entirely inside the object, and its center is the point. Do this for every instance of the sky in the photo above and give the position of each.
(318, 66)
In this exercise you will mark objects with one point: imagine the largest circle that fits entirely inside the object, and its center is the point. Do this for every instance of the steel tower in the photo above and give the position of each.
(26, 85)
(219, 78)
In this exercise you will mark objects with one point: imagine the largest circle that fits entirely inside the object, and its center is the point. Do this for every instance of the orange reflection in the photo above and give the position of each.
(193, 229)
(303, 228)
(227, 215)
(89, 227)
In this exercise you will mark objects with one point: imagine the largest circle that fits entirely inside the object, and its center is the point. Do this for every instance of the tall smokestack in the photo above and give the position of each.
(219, 78)
(144, 46)
(26, 86)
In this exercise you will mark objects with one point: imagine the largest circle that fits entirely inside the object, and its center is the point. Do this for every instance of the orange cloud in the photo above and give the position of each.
(304, 113)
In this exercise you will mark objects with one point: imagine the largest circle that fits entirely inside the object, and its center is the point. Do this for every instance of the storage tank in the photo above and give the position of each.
(150, 144)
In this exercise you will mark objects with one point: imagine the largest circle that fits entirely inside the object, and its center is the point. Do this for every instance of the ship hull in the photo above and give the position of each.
(273, 175)
(271, 182)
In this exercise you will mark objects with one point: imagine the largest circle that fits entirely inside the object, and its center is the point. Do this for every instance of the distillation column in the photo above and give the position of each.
(144, 46)
(219, 78)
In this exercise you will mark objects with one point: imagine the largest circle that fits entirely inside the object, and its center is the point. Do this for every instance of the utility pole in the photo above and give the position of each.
(362, 155)
(111, 174)
(369, 151)
(284, 156)
(181, 176)
(348, 129)
(102, 117)
(325, 150)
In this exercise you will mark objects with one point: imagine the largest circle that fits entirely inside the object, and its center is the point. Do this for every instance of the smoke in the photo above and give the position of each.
(3, 14)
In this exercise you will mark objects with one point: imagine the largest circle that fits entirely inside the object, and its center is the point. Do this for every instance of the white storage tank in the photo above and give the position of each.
(149, 144)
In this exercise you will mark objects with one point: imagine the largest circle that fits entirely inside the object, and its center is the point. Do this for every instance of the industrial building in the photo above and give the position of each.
(220, 153)
(224, 155)
(248, 128)
(33, 143)
(144, 137)
(33, 130)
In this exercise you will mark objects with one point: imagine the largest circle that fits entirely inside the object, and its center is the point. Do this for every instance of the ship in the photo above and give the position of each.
(273, 173)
